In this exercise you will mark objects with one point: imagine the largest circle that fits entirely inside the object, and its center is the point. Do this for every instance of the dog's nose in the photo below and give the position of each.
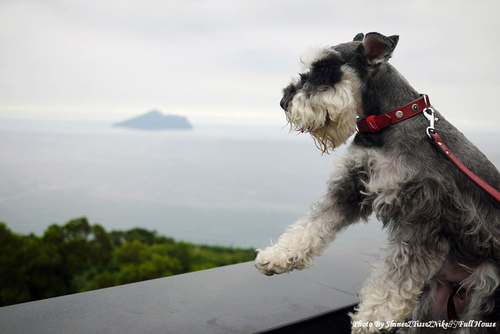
(288, 94)
(283, 103)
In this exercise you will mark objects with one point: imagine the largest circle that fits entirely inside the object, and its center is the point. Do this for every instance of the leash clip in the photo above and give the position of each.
(429, 113)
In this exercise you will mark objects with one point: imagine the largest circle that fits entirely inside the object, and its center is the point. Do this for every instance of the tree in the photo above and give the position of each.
(80, 257)
(13, 287)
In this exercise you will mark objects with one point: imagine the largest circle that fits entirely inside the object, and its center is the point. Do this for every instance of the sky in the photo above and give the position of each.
(227, 61)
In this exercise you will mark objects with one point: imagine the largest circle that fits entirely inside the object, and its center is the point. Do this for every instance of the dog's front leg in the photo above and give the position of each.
(396, 283)
(295, 249)
(308, 237)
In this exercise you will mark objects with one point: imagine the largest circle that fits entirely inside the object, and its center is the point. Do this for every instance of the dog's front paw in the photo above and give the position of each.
(274, 260)
(269, 262)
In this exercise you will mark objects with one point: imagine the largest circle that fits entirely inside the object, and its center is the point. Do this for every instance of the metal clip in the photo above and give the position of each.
(429, 113)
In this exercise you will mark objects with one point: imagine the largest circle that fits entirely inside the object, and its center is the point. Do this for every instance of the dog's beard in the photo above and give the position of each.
(329, 116)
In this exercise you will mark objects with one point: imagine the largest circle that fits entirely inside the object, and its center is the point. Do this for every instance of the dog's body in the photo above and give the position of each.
(442, 228)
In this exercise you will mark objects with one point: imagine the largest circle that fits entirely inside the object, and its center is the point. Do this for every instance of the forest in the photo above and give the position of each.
(79, 257)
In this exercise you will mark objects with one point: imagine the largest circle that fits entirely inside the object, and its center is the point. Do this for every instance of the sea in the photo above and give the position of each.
(228, 185)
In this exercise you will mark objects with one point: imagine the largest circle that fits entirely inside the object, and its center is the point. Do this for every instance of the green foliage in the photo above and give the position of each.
(80, 257)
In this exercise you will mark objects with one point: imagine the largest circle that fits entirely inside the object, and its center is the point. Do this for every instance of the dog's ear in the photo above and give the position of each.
(359, 37)
(378, 48)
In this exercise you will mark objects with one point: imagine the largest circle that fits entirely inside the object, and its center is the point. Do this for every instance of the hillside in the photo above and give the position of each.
(78, 257)
(155, 120)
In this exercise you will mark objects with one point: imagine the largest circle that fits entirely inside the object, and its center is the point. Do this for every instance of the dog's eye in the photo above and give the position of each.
(326, 71)
(325, 75)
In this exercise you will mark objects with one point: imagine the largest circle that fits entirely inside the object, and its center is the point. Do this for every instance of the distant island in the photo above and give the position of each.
(155, 120)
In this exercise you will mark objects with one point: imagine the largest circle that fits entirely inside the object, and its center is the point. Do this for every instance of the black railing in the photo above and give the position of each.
(231, 299)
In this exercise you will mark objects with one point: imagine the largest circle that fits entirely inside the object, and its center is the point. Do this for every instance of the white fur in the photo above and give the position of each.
(393, 289)
(329, 115)
(388, 180)
(312, 55)
(295, 249)
(385, 297)
(385, 180)
(480, 285)
(306, 238)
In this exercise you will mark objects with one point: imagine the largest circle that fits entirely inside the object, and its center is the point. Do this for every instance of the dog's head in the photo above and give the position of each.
(326, 98)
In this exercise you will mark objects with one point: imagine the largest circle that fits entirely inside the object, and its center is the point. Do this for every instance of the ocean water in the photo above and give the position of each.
(219, 185)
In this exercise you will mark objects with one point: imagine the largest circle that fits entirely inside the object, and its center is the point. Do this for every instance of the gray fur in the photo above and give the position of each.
(432, 212)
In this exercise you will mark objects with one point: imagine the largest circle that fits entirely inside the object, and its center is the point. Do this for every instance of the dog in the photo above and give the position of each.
(443, 231)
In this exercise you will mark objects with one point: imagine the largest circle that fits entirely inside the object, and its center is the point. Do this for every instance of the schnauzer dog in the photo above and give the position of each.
(443, 230)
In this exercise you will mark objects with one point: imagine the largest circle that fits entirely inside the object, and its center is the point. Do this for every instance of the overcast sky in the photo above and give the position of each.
(228, 60)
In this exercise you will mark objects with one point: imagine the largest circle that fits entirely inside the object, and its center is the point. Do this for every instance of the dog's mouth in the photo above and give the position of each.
(290, 106)
(329, 115)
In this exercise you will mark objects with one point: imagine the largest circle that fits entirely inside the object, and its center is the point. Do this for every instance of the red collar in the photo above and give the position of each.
(376, 123)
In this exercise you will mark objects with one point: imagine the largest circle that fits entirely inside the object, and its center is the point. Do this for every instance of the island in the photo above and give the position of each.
(155, 120)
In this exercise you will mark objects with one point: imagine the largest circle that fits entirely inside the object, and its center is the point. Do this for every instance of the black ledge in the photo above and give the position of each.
(231, 299)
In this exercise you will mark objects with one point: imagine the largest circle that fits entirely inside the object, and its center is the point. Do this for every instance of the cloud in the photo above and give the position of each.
(219, 60)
